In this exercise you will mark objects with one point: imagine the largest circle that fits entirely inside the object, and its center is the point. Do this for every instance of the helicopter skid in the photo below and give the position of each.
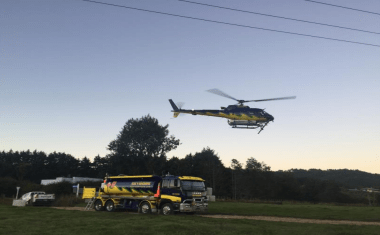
(244, 124)
(245, 127)
(235, 123)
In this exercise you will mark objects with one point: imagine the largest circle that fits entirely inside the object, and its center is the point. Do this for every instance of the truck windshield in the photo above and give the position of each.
(193, 185)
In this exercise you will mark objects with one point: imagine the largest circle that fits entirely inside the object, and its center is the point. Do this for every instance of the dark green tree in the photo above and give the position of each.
(102, 166)
(141, 147)
(176, 166)
(85, 168)
(287, 187)
(259, 180)
(207, 165)
(253, 164)
(60, 165)
(237, 179)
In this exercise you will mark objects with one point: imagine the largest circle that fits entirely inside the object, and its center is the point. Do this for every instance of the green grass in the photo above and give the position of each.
(38, 220)
(310, 211)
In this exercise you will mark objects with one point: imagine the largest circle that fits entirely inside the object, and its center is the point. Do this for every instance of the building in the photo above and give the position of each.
(73, 180)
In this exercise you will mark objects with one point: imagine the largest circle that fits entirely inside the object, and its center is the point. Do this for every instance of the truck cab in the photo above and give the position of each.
(187, 194)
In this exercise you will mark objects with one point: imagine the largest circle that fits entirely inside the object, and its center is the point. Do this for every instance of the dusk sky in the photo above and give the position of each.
(73, 72)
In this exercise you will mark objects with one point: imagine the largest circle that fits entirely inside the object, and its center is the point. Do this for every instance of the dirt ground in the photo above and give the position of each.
(265, 218)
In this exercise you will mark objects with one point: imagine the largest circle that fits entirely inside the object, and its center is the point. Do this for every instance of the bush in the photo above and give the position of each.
(66, 201)
(8, 187)
(59, 189)
(90, 184)
(28, 186)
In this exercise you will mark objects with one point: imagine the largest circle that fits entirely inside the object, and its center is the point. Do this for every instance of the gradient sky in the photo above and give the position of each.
(73, 72)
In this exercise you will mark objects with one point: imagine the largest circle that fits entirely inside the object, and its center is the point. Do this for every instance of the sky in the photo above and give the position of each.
(72, 73)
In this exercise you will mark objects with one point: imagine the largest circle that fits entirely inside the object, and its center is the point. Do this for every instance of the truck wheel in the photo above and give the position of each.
(167, 209)
(145, 208)
(98, 205)
(110, 206)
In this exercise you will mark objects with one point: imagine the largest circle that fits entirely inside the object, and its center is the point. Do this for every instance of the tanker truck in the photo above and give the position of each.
(150, 194)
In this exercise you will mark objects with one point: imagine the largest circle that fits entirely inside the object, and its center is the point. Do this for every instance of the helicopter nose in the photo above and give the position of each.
(270, 117)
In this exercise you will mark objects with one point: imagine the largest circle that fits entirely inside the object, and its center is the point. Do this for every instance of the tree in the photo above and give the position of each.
(237, 176)
(253, 164)
(102, 166)
(259, 178)
(176, 166)
(208, 166)
(236, 165)
(287, 186)
(61, 165)
(85, 168)
(141, 147)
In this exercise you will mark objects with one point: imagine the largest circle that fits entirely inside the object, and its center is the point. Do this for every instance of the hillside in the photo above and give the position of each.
(344, 177)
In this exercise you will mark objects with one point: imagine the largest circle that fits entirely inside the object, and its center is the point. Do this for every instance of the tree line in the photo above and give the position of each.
(141, 148)
(345, 177)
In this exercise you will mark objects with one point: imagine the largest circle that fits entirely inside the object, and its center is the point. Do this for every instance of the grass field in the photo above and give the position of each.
(309, 211)
(38, 220)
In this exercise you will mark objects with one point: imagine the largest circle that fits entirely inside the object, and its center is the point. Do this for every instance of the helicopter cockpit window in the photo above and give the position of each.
(230, 107)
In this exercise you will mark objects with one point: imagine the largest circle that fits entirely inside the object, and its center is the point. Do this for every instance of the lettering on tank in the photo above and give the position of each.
(133, 186)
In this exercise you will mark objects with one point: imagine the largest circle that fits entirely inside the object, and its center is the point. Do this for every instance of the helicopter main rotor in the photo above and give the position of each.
(241, 102)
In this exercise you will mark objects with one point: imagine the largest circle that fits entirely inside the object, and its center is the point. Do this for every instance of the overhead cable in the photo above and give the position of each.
(279, 17)
(232, 24)
(354, 9)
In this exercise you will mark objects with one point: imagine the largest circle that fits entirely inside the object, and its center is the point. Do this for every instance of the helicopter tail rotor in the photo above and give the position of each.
(176, 108)
(180, 104)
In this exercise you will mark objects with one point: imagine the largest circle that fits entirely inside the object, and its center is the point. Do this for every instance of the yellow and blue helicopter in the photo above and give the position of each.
(239, 115)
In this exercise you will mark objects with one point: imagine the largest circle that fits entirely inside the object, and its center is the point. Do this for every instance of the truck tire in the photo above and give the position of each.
(145, 208)
(167, 209)
(98, 205)
(110, 206)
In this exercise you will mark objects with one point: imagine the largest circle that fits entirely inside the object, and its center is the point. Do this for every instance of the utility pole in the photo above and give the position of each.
(233, 185)
(18, 188)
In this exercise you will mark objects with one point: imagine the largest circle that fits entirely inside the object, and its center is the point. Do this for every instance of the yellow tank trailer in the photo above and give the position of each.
(150, 194)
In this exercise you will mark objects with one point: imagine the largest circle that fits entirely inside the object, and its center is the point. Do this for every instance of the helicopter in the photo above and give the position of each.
(238, 115)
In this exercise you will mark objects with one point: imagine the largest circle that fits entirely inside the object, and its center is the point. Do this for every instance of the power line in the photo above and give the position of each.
(354, 9)
(232, 24)
(279, 17)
